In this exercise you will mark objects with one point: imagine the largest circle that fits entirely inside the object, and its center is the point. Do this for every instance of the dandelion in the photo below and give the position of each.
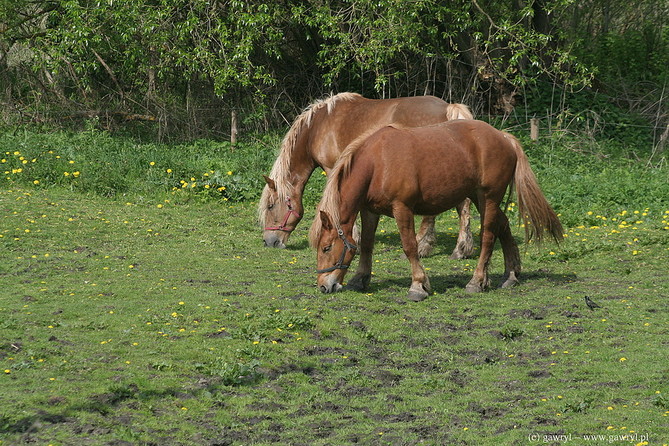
(169, 171)
(229, 172)
(152, 163)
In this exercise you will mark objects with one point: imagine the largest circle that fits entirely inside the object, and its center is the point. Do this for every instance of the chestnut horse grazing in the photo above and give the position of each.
(317, 138)
(400, 172)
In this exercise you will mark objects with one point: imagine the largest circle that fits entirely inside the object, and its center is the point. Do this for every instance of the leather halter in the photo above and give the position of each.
(284, 226)
(340, 263)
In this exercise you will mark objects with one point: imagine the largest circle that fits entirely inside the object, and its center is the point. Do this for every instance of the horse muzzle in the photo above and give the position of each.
(272, 240)
(329, 284)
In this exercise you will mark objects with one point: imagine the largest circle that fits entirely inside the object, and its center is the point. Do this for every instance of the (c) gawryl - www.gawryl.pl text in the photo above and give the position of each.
(635, 438)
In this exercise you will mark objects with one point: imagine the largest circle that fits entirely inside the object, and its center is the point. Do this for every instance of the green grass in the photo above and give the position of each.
(161, 320)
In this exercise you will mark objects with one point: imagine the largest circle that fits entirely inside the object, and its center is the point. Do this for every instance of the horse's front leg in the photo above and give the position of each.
(363, 275)
(420, 284)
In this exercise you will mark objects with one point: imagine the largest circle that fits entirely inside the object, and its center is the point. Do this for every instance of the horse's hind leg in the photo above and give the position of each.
(360, 281)
(511, 253)
(427, 236)
(464, 247)
(420, 284)
(489, 217)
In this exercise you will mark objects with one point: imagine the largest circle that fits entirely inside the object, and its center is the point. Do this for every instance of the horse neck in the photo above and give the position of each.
(300, 172)
(352, 193)
(293, 167)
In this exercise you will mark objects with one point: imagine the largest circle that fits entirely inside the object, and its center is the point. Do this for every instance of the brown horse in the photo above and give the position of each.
(426, 170)
(317, 138)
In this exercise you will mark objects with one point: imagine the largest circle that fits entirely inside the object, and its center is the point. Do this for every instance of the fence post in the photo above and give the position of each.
(233, 129)
(534, 129)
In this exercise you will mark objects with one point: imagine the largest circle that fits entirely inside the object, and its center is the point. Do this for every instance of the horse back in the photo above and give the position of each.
(433, 168)
(333, 131)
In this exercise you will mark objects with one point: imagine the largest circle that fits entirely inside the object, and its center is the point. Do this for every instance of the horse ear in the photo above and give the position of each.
(270, 182)
(325, 220)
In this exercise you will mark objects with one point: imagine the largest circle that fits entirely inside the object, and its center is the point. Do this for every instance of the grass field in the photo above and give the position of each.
(165, 322)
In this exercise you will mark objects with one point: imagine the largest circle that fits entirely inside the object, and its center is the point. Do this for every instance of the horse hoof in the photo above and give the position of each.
(424, 251)
(359, 283)
(417, 295)
(473, 288)
(509, 283)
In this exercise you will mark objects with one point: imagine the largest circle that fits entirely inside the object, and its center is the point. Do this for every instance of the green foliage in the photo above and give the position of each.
(576, 170)
(633, 57)
(98, 163)
(587, 114)
(233, 374)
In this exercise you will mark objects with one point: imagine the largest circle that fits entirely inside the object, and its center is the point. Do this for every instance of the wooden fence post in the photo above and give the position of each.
(233, 129)
(534, 129)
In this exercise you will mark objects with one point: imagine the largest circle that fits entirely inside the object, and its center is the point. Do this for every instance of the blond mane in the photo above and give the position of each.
(331, 196)
(280, 172)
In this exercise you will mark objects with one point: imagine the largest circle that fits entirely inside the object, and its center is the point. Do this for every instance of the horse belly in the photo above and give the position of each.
(439, 198)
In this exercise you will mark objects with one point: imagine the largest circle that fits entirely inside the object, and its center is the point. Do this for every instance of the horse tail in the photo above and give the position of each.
(458, 111)
(535, 212)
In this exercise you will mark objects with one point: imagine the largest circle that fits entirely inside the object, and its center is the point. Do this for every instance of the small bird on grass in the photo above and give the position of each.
(591, 304)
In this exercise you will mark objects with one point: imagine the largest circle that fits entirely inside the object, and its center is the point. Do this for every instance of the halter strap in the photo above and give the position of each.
(340, 263)
(284, 226)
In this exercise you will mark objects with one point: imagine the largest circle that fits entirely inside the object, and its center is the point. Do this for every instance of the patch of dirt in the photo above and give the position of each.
(539, 374)
(269, 406)
(526, 314)
(459, 378)
(386, 378)
(486, 412)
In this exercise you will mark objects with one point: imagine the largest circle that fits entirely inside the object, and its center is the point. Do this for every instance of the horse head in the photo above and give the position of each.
(280, 215)
(335, 252)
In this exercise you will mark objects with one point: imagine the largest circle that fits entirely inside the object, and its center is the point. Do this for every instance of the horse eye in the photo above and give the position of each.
(270, 207)
(327, 248)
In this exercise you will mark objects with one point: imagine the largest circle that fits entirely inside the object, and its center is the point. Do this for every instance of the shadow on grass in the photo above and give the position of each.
(458, 281)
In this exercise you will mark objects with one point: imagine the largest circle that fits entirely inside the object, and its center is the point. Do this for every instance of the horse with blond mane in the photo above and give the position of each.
(400, 172)
(319, 135)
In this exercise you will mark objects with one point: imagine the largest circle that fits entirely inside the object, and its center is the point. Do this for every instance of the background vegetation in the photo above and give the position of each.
(179, 68)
